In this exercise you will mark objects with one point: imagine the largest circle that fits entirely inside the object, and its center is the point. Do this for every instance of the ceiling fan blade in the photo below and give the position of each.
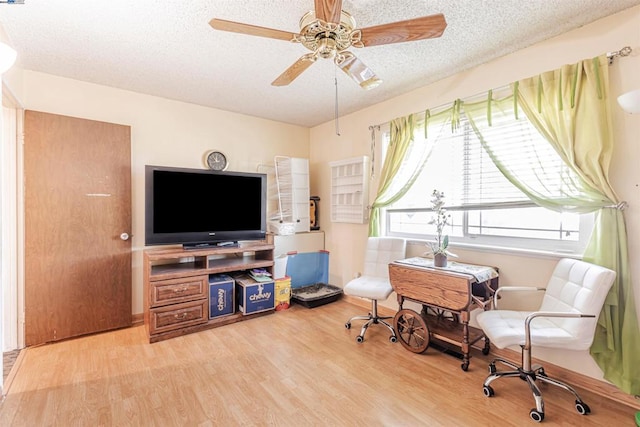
(252, 30)
(425, 27)
(291, 73)
(357, 70)
(329, 10)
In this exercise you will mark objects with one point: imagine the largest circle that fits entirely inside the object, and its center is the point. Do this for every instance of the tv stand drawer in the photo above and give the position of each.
(172, 291)
(178, 316)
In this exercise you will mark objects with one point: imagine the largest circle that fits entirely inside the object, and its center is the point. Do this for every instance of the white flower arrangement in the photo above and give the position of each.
(441, 220)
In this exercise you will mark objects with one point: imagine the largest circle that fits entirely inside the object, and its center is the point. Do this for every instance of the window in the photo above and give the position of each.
(485, 207)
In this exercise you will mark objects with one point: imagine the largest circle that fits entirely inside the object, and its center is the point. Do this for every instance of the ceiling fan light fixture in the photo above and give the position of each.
(371, 83)
(326, 47)
(357, 70)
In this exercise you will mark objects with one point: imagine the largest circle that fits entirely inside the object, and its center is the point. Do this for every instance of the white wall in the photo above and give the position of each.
(346, 242)
(163, 132)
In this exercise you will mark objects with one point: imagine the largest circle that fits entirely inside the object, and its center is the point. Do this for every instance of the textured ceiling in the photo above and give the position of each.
(167, 48)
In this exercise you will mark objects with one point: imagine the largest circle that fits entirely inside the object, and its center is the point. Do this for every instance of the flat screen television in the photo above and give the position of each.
(200, 208)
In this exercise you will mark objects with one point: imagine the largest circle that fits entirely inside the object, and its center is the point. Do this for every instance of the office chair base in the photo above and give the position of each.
(536, 373)
(372, 318)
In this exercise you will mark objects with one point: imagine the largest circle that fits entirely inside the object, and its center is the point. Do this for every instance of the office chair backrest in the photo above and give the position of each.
(380, 252)
(577, 287)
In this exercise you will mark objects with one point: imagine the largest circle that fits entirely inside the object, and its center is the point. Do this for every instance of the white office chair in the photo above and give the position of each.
(566, 319)
(374, 282)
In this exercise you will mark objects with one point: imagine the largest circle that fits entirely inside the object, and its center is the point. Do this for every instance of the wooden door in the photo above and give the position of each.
(77, 205)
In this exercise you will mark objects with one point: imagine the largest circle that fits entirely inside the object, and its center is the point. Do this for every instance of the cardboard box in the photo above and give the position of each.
(253, 296)
(221, 295)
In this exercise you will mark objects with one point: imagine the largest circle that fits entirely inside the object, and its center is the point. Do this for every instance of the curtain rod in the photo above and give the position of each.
(625, 51)
(471, 98)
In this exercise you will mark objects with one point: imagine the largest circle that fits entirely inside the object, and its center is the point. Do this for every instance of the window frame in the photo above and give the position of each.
(564, 247)
(504, 242)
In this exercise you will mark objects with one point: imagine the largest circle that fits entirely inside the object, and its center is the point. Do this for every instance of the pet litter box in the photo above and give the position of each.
(309, 272)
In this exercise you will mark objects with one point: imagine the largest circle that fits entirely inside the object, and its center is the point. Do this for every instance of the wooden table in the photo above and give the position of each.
(447, 295)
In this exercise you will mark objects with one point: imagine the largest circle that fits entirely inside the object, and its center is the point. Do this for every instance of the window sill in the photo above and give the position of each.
(535, 253)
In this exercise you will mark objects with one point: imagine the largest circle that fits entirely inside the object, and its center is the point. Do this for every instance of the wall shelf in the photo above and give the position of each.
(350, 190)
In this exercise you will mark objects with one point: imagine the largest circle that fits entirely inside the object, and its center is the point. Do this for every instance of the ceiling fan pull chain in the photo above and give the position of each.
(336, 109)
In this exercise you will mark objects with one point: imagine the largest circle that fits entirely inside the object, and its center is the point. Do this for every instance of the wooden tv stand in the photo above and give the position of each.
(176, 286)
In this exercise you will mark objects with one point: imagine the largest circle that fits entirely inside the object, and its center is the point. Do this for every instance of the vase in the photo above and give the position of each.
(440, 260)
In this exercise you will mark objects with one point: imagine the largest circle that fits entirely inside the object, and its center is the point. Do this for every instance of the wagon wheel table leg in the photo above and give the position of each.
(412, 330)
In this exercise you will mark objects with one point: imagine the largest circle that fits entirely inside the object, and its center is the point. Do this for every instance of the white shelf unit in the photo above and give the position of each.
(272, 189)
(292, 181)
(350, 190)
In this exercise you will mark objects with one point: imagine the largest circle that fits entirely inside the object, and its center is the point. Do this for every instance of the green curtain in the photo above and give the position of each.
(570, 108)
(537, 179)
(406, 157)
(581, 123)
(401, 138)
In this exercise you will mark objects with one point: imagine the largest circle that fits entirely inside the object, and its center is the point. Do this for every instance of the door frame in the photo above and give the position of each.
(12, 257)
(77, 264)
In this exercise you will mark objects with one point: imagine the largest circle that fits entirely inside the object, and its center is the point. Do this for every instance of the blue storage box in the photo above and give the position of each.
(221, 295)
(253, 296)
(309, 272)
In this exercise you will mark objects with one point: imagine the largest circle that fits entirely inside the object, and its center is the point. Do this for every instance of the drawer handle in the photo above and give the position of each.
(179, 290)
(180, 316)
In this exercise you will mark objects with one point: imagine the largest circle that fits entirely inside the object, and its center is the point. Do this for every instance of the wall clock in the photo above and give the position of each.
(216, 160)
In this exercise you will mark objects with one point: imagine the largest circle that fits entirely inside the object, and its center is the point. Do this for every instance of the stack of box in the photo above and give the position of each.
(221, 295)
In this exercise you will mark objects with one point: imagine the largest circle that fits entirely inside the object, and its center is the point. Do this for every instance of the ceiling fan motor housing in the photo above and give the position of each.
(326, 38)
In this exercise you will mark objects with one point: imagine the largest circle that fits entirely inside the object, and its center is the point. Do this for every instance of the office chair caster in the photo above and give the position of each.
(536, 415)
(582, 408)
(359, 338)
(487, 347)
(487, 390)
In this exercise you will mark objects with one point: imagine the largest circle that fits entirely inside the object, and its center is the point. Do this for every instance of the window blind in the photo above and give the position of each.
(460, 166)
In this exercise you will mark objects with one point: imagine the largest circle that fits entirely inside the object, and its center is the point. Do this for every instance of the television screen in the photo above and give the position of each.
(197, 207)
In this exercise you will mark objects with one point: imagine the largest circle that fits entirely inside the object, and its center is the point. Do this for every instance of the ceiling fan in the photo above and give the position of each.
(328, 32)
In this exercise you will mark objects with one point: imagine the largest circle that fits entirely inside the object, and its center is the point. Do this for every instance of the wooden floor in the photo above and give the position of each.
(298, 367)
